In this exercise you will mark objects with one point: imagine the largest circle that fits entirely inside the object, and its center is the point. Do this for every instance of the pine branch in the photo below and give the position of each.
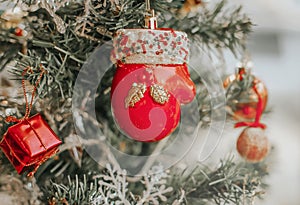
(109, 187)
(231, 182)
(215, 28)
(75, 192)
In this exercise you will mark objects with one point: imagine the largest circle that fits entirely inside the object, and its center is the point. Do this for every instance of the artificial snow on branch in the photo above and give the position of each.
(228, 183)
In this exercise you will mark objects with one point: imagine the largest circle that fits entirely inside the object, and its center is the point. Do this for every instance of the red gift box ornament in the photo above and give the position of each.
(31, 141)
(151, 80)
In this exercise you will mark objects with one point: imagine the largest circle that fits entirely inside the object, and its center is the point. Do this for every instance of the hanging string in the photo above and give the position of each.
(27, 104)
(148, 6)
(150, 18)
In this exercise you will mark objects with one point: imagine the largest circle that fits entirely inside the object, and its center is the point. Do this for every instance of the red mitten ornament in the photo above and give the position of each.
(151, 81)
(31, 141)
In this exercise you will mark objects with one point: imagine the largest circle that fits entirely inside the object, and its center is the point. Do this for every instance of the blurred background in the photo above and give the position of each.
(275, 51)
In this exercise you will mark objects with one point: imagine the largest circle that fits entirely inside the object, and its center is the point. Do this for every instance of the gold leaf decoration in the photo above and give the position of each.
(135, 94)
(159, 94)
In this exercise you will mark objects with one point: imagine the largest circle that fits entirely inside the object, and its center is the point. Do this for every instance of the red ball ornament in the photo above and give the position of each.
(253, 145)
(19, 31)
(150, 83)
(243, 103)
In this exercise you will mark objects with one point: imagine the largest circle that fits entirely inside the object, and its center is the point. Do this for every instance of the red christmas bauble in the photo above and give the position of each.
(243, 105)
(253, 145)
(19, 31)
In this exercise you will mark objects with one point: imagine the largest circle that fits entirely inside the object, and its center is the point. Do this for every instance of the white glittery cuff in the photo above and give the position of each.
(149, 46)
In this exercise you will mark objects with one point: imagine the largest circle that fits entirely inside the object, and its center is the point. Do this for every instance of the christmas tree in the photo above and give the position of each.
(67, 53)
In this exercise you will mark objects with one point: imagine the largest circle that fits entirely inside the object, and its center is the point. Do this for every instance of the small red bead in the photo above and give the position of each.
(18, 31)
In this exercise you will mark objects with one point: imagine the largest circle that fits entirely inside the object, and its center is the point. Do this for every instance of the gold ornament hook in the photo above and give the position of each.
(150, 18)
(246, 64)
